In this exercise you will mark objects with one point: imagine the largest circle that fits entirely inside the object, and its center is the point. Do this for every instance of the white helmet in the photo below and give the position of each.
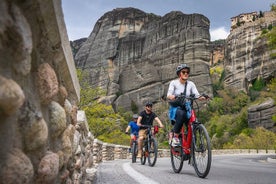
(181, 67)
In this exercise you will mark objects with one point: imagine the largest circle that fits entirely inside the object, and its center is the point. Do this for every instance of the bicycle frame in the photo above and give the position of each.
(134, 147)
(187, 139)
(146, 140)
(134, 138)
(149, 148)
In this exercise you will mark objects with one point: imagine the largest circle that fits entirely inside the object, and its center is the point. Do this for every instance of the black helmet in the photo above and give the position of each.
(135, 116)
(181, 67)
(148, 103)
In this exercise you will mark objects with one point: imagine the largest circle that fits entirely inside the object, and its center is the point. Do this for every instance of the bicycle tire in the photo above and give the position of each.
(152, 152)
(143, 156)
(177, 158)
(201, 151)
(134, 151)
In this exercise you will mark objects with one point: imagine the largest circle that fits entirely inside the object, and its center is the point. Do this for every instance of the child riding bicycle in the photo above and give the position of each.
(134, 129)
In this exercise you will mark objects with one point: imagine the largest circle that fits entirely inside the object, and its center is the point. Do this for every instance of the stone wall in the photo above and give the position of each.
(40, 139)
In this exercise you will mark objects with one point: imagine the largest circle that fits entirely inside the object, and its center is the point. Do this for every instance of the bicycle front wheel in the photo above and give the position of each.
(152, 152)
(201, 151)
(176, 158)
(134, 151)
(144, 155)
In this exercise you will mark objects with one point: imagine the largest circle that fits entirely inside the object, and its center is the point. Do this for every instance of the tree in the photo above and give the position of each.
(261, 14)
(103, 122)
(273, 7)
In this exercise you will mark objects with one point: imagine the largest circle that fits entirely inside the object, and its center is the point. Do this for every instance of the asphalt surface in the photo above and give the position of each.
(226, 169)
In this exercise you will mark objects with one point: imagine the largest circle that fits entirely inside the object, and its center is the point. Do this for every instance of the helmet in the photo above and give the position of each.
(181, 67)
(135, 116)
(148, 103)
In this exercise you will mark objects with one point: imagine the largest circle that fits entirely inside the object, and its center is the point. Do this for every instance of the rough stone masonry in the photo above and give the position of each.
(40, 139)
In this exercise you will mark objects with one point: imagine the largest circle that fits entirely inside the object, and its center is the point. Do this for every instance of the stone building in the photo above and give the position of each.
(243, 18)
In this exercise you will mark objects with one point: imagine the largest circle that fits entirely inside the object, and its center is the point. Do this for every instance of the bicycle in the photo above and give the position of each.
(195, 145)
(134, 148)
(149, 149)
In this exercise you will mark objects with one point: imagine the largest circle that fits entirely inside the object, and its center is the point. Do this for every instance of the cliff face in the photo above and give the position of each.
(260, 115)
(76, 45)
(133, 55)
(247, 54)
(217, 51)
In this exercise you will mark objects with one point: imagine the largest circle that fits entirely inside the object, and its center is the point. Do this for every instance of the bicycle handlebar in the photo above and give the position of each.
(146, 126)
(192, 96)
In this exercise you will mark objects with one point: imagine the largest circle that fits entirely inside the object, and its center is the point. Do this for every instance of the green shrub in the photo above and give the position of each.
(270, 27)
(264, 31)
(258, 84)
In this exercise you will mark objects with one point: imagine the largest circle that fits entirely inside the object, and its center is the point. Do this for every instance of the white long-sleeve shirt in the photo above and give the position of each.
(176, 88)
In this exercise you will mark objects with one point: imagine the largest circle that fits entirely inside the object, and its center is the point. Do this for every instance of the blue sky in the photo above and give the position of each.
(81, 15)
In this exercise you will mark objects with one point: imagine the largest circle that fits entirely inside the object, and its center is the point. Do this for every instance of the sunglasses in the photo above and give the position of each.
(185, 72)
(149, 106)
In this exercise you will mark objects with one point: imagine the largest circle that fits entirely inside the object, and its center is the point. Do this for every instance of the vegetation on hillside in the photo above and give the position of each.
(226, 115)
(104, 123)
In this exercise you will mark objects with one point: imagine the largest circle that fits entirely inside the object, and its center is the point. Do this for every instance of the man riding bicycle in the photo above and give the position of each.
(146, 117)
(134, 129)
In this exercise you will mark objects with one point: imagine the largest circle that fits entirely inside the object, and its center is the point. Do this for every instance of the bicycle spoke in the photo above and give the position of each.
(201, 151)
(152, 151)
(176, 159)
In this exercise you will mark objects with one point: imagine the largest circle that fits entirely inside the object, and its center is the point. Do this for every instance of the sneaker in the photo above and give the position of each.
(175, 142)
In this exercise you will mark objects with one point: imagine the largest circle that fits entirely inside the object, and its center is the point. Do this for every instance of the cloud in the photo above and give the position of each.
(219, 33)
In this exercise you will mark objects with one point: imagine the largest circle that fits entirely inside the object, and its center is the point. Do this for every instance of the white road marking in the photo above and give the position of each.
(136, 175)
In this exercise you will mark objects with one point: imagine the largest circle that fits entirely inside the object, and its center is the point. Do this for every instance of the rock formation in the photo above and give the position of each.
(260, 115)
(247, 54)
(133, 55)
(76, 45)
(217, 52)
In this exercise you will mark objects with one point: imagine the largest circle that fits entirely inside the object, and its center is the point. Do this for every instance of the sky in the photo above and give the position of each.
(81, 15)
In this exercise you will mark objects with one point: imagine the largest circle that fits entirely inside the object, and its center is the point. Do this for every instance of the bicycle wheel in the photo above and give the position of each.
(152, 152)
(134, 151)
(177, 158)
(143, 156)
(201, 151)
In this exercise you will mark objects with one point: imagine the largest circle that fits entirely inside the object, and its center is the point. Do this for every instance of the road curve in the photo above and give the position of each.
(227, 169)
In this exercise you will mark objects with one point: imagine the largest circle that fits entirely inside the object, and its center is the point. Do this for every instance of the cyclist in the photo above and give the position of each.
(134, 129)
(146, 117)
(178, 113)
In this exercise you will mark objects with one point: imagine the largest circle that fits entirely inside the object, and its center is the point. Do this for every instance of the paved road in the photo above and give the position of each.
(226, 169)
